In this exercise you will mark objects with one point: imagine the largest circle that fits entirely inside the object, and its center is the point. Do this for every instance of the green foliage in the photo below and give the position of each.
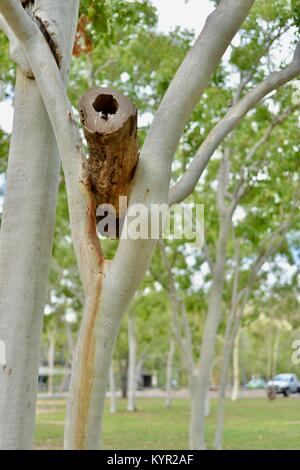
(112, 21)
(7, 69)
(118, 45)
(296, 13)
(4, 145)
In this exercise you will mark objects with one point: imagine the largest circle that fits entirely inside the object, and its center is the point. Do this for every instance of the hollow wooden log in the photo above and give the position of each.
(109, 122)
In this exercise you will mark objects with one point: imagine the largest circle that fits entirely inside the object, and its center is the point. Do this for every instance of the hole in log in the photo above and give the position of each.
(110, 123)
(106, 105)
(26, 3)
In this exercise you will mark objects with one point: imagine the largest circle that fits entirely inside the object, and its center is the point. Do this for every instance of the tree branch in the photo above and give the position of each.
(60, 113)
(207, 256)
(183, 93)
(223, 178)
(110, 286)
(187, 183)
(179, 313)
(16, 51)
(276, 122)
(269, 246)
(241, 187)
(264, 51)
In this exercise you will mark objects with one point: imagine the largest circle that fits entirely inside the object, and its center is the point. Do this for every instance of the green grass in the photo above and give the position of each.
(251, 423)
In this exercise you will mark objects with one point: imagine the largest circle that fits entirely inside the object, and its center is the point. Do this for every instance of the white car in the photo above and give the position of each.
(285, 383)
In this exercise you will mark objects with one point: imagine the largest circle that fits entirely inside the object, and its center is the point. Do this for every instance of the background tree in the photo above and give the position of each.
(120, 277)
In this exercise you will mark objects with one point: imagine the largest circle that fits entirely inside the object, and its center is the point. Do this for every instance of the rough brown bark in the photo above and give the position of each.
(109, 122)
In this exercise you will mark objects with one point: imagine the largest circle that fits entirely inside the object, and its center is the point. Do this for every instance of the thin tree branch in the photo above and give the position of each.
(68, 138)
(264, 51)
(187, 183)
(223, 179)
(241, 187)
(276, 122)
(77, 293)
(110, 286)
(153, 171)
(16, 50)
(179, 311)
(207, 256)
(106, 64)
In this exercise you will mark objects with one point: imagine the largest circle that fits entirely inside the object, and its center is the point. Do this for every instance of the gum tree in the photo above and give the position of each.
(27, 226)
(109, 286)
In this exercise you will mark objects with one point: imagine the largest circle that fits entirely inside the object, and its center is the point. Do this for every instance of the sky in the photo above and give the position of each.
(191, 15)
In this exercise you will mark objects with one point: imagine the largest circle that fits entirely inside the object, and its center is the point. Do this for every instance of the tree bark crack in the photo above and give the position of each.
(44, 25)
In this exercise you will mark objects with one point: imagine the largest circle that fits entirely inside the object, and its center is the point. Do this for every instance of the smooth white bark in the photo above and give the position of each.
(196, 409)
(132, 363)
(223, 382)
(25, 247)
(16, 51)
(120, 278)
(227, 346)
(112, 391)
(270, 245)
(210, 333)
(226, 211)
(276, 351)
(169, 372)
(207, 405)
(51, 361)
(236, 369)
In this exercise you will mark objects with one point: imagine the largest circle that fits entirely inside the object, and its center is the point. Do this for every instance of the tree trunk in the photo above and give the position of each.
(25, 248)
(207, 405)
(26, 240)
(236, 368)
(197, 439)
(230, 337)
(64, 385)
(138, 370)
(221, 409)
(110, 286)
(51, 362)
(269, 351)
(228, 340)
(195, 414)
(275, 351)
(131, 382)
(169, 373)
(123, 377)
(112, 390)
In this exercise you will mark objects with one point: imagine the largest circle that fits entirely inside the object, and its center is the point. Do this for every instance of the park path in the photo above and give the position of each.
(158, 393)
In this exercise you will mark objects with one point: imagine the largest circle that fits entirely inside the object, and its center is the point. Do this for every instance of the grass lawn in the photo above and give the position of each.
(251, 423)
